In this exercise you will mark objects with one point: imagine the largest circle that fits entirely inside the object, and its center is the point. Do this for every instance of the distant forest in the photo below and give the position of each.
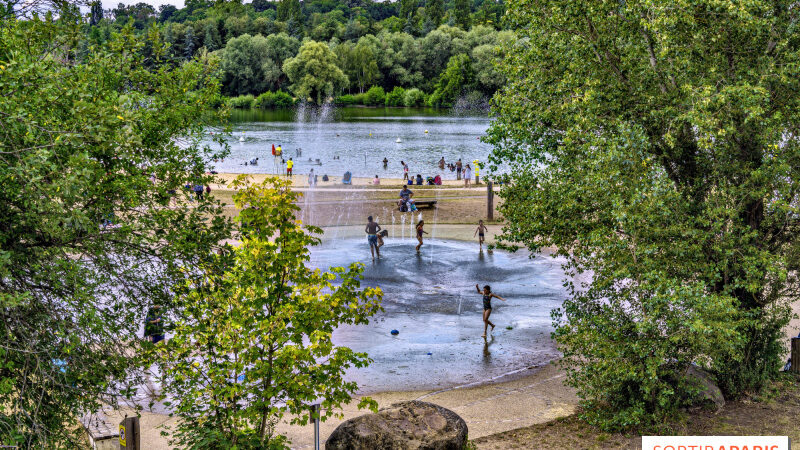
(273, 53)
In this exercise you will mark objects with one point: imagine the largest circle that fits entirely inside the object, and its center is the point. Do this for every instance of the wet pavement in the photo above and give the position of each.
(431, 300)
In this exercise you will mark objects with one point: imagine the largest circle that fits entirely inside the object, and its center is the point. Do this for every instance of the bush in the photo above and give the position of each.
(278, 99)
(396, 97)
(375, 96)
(265, 100)
(344, 100)
(242, 101)
(360, 99)
(414, 97)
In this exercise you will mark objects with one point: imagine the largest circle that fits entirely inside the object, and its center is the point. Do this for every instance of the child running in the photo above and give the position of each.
(487, 306)
(420, 224)
(480, 232)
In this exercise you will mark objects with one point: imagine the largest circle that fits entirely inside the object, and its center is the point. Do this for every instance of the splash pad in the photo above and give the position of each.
(430, 299)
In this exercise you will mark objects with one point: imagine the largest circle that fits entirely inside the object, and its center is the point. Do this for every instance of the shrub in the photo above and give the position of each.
(360, 99)
(414, 97)
(396, 97)
(375, 96)
(278, 99)
(283, 100)
(265, 100)
(344, 100)
(242, 101)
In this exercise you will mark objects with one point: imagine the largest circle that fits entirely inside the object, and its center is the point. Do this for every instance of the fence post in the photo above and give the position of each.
(489, 201)
(795, 355)
(315, 410)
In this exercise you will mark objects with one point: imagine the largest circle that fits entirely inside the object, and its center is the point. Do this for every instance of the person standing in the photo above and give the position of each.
(467, 176)
(420, 231)
(154, 324)
(289, 165)
(385, 162)
(459, 168)
(311, 178)
(480, 232)
(405, 170)
(441, 163)
(198, 191)
(372, 229)
(487, 306)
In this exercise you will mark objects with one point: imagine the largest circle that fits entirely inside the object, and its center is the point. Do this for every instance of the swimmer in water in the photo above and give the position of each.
(487, 306)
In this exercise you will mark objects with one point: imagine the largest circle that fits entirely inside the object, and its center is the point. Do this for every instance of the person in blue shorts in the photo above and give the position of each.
(372, 230)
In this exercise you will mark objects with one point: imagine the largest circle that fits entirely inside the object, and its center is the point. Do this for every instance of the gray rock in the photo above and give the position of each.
(709, 394)
(403, 426)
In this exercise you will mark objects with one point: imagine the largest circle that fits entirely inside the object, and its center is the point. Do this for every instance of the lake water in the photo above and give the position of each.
(355, 139)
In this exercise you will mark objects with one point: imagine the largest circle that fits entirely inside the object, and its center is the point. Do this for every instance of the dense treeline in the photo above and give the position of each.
(411, 52)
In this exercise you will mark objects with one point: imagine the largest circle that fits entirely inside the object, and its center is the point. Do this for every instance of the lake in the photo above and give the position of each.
(355, 139)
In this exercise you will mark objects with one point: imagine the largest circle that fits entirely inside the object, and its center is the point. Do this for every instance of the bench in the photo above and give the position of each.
(425, 204)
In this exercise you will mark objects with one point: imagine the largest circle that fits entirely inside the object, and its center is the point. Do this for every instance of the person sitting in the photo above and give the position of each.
(405, 199)
(437, 180)
(376, 181)
(325, 177)
(429, 181)
(254, 162)
(419, 180)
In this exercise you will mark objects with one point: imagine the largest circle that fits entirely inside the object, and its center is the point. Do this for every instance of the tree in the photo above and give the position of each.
(407, 9)
(461, 13)
(243, 62)
(165, 12)
(188, 43)
(280, 47)
(653, 147)
(254, 342)
(95, 13)
(314, 73)
(434, 9)
(290, 10)
(456, 78)
(485, 61)
(87, 241)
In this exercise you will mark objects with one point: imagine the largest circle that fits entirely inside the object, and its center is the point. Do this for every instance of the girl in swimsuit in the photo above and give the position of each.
(420, 224)
(487, 306)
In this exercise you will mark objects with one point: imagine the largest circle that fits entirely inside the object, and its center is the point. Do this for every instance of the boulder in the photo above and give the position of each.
(402, 426)
(709, 394)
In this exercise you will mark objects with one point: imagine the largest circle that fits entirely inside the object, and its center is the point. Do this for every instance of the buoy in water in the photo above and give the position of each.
(395, 332)
(426, 131)
(241, 139)
(398, 140)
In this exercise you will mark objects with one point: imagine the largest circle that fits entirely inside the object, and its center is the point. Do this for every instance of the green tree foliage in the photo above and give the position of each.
(244, 63)
(375, 96)
(434, 10)
(254, 340)
(314, 74)
(95, 13)
(461, 13)
(278, 99)
(414, 97)
(92, 150)
(396, 97)
(456, 78)
(289, 10)
(653, 146)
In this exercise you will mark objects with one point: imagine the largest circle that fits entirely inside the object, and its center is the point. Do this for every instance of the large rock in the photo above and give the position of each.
(403, 426)
(708, 394)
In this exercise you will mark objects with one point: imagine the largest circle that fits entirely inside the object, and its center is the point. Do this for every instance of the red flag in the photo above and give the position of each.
(273, 149)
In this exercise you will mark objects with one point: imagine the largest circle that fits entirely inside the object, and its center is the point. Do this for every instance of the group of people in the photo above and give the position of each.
(461, 170)
(376, 236)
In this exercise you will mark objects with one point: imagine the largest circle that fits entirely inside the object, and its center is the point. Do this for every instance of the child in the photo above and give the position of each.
(487, 306)
(420, 231)
(382, 235)
(480, 232)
